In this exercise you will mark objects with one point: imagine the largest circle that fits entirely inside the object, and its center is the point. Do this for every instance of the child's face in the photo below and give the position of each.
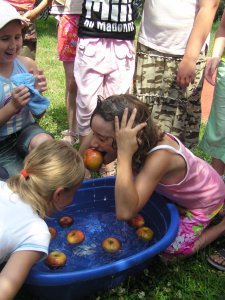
(10, 41)
(103, 137)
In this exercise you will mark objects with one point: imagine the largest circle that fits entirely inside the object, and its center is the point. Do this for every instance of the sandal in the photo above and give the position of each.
(71, 137)
(108, 170)
(217, 259)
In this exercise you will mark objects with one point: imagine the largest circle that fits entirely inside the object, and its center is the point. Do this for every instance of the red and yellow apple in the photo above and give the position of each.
(56, 259)
(145, 233)
(66, 221)
(137, 221)
(53, 232)
(111, 244)
(75, 237)
(93, 159)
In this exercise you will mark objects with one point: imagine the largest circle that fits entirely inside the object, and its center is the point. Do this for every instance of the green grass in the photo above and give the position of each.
(189, 279)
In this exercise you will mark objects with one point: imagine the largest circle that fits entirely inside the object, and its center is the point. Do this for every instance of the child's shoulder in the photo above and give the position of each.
(27, 62)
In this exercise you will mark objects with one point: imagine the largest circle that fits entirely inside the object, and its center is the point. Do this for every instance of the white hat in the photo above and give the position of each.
(8, 13)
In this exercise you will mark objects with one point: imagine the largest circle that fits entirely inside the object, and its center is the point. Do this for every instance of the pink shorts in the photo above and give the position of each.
(102, 67)
(67, 37)
(191, 226)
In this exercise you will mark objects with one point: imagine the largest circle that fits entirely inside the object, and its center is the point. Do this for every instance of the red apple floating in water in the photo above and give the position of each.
(55, 259)
(53, 232)
(75, 237)
(66, 221)
(145, 233)
(111, 244)
(93, 159)
(137, 221)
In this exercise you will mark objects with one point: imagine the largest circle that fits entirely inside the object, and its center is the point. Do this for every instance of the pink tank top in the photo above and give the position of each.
(202, 189)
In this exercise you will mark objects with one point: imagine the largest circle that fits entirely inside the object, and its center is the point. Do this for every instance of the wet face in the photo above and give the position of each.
(10, 41)
(103, 138)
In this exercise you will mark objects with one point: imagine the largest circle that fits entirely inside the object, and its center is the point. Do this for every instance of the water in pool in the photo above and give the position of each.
(98, 222)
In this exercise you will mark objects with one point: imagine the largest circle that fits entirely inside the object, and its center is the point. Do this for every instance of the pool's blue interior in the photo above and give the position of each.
(93, 211)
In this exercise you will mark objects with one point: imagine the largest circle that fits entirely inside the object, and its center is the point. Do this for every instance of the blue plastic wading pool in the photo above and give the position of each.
(89, 268)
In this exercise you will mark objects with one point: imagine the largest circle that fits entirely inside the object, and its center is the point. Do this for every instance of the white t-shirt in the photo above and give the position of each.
(20, 227)
(66, 7)
(166, 25)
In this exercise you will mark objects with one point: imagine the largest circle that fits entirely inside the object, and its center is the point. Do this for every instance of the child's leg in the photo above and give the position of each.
(67, 43)
(209, 235)
(89, 70)
(30, 137)
(118, 80)
(10, 159)
(70, 97)
(192, 233)
(218, 165)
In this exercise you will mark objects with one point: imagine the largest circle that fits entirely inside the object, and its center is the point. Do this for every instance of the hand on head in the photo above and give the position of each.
(126, 134)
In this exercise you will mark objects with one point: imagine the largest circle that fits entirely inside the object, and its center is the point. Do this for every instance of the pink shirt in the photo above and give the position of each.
(202, 189)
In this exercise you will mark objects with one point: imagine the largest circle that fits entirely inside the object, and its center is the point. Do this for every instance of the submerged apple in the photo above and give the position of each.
(66, 221)
(56, 259)
(93, 159)
(111, 244)
(145, 233)
(137, 221)
(75, 237)
(53, 232)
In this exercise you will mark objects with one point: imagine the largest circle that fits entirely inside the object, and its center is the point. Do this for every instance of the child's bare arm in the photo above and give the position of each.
(131, 195)
(31, 15)
(201, 28)
(20, 98)
(217, 52)
(15, 272)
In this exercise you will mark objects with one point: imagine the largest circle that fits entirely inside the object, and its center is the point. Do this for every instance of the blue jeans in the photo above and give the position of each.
(15, 147)
(4, 175)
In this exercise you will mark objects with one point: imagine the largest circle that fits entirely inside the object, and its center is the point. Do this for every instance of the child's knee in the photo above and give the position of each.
(38, 139)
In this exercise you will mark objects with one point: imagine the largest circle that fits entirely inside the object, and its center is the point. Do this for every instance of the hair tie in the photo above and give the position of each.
(24, 173)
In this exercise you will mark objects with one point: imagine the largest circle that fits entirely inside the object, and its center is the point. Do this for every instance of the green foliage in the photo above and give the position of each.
(220, 10)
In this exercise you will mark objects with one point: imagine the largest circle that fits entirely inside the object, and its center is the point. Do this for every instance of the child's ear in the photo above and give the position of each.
(56, 195)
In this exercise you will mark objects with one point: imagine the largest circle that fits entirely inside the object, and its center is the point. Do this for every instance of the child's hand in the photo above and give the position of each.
(186, 72)
(40, 81)
(210, 69)
(126, 134)
(20, 96)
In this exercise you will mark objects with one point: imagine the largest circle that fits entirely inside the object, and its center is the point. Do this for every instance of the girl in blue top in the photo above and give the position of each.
(18, 131)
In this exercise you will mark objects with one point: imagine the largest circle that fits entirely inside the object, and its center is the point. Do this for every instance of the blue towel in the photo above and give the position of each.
(38, 103)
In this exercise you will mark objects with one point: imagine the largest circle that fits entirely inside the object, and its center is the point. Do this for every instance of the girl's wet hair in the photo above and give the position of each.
(147, 138)
(51, 165)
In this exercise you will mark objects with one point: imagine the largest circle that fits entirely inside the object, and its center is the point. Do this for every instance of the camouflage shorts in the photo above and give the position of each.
(29, 40)
(176, 110)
